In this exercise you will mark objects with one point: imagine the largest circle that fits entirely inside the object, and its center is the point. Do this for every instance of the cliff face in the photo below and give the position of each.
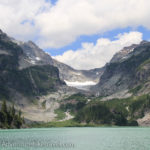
(28, 81)
(72, 75)
(127, 71)
(36, 56)
(33, 55)
(34, 81)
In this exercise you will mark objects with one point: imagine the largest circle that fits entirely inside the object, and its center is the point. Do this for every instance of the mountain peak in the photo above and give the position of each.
(1, 32)
(3, 35)
(32, 44)
(123, 54)
(143, 42)
(126, 52)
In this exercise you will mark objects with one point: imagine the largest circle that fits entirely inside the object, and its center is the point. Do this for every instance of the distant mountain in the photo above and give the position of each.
(19, 78)
(36, 56)
(127, 73)
(124, 54)
(36, 83)
(33, 55)
(81, 79)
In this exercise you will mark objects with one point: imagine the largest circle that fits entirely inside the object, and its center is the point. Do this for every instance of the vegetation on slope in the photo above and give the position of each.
(73, 103)
(36, 80)
(116, 112)
(120, 112)
(66, 123)
(60, 114)
(9, 117)
(126, 74)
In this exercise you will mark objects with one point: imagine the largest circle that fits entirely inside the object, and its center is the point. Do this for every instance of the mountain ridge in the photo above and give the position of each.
(34, 81)
(36, 56)
(121, 75)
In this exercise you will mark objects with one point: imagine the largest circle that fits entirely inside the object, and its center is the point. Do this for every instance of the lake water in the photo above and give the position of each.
(76, 139)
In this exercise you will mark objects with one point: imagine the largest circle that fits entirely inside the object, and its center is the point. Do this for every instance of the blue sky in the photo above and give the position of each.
(53, 2)
(77, 44)
(93, 38)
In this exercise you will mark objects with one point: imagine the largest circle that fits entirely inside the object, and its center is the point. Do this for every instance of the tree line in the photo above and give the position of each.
(10, 117)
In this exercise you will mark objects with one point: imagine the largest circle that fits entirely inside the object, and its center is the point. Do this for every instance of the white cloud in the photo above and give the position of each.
(17, 17)
(69, 19)
(59, 25)
(94, 56)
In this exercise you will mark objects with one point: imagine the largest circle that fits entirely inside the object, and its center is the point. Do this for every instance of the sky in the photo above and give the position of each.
(84, 34)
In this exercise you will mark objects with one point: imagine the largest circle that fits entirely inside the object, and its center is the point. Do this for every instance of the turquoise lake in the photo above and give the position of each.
(76, 139)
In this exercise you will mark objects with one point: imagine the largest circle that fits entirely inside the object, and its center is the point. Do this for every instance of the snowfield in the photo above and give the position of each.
(81, 85)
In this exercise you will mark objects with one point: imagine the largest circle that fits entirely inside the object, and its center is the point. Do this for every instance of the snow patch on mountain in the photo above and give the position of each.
(81, 85)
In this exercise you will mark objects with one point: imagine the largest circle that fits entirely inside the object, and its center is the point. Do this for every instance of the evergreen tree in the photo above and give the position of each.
(4, 107)
(19, 113)
(9, 118)
(13, 111)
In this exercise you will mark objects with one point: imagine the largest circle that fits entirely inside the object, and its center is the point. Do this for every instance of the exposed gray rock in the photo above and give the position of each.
(127, 69)
(126, 53)
(69, 74)
(145, 121)
(36, 56)
(118, 95)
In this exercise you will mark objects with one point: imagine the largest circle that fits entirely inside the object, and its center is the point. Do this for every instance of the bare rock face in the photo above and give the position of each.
(124, 54)
(33, 55)
(145, 121)
(127, 69)
(67, 73)
(30, 80)
(36, 56)
(80, 79)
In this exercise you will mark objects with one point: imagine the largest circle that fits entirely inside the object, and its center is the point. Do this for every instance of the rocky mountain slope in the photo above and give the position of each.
(70, 74)
(34, 81)
(127, 72)
(123, 90)
(29, 78)
(36, 56)
(81, 79)
(31, 81)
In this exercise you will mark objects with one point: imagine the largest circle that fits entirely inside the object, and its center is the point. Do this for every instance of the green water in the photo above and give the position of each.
(76, 138)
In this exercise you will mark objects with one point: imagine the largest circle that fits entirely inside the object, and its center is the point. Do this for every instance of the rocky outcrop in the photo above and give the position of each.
(36, 56)
(69, 74)
(29, 81)
(145, 121)
(128, 69)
